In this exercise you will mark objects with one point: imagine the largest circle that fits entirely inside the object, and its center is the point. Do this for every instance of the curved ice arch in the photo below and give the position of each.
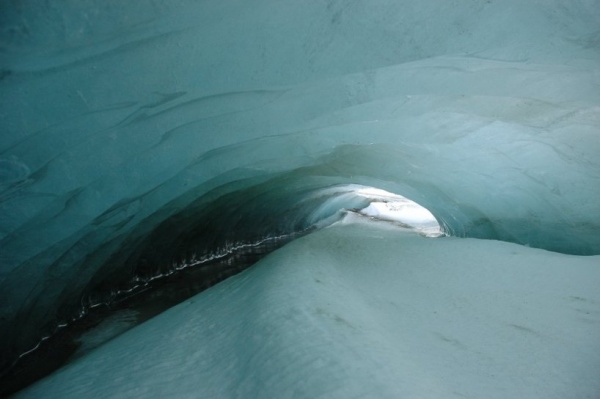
(496, 134)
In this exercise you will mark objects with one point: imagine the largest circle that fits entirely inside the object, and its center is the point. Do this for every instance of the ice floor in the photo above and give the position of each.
(366, 310)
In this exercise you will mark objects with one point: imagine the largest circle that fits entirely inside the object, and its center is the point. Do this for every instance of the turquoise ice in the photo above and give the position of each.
(138, 137)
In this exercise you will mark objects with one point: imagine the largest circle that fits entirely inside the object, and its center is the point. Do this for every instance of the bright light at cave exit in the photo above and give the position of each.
(396, 208)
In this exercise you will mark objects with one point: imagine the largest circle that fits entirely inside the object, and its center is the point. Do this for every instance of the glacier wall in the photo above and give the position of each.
(137, 135)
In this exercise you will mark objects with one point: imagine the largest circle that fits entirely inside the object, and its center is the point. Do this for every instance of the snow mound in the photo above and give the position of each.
(365, 310)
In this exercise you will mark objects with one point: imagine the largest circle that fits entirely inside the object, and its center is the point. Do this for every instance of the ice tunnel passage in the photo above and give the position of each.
(249, 210)
(139, 135)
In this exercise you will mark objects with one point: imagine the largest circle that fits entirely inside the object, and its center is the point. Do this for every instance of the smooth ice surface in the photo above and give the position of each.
(366, 310)
(136, 136)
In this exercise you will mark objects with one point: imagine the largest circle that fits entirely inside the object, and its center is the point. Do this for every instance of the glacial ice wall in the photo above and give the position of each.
(138, 134)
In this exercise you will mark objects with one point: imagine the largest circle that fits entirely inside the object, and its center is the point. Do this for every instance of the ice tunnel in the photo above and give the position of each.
(141, 138)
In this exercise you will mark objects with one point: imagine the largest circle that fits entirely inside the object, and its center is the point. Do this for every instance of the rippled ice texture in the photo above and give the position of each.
(366, 310)
(120, 118)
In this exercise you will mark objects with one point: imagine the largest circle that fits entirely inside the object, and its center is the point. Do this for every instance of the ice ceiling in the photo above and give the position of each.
(139, 135)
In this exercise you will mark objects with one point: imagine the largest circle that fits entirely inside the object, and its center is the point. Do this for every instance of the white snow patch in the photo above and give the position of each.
(396, 208)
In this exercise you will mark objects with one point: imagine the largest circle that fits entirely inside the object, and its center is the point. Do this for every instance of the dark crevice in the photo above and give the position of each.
(144, 302)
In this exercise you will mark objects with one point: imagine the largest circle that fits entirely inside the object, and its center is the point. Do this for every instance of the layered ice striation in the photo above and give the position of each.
(141, 136)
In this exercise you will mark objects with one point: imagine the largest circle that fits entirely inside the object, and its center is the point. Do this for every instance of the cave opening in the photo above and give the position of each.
(198, 258)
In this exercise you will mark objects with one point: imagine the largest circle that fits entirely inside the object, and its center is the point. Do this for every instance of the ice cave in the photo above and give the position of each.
(349, 199)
